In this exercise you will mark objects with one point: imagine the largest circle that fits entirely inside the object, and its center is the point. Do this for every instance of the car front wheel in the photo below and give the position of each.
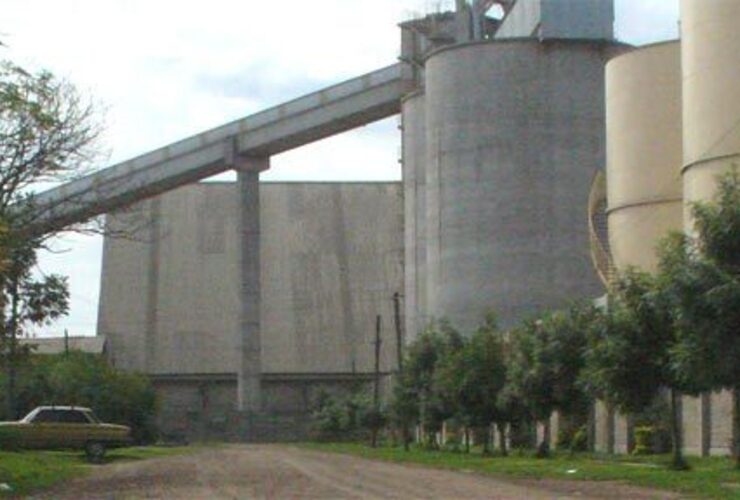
(95, 451)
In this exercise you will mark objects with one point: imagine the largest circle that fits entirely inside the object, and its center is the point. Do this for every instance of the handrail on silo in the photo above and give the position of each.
(598, 229)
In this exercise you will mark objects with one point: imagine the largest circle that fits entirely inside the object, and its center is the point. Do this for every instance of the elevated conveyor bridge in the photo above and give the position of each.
(330, 111)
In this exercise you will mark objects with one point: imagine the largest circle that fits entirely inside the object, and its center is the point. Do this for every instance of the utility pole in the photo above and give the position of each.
(376, 388)
(399, 333)
(66, 342)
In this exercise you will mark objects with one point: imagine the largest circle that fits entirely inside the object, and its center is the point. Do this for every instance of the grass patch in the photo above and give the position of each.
(713, 477)
(31, 471)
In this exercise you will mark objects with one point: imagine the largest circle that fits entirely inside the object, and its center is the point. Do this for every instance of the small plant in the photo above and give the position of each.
(644, 437)
(9, 440)
(579, 441)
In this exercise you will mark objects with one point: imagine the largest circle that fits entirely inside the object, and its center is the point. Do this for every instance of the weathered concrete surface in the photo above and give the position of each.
(249, 342)
(287, 472)
(513, 141)
(414, 191)
(331, 258)
(335, 109)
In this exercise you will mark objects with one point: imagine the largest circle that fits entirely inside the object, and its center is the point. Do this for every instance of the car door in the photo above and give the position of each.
(42, 431)
(76, 428)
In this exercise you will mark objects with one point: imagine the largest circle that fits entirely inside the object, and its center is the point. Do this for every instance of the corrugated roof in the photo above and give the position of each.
(55, 345)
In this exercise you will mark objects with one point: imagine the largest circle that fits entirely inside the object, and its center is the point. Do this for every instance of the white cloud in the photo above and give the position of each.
(158, 67)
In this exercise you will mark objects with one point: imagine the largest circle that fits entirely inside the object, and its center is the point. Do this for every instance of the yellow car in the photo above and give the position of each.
(64, 427)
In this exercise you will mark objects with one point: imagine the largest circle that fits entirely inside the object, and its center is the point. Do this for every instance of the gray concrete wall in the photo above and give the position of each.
(332, 257)
(414, 189)
(513, 140)
(720, 428)
(560, 19)
(203, 407)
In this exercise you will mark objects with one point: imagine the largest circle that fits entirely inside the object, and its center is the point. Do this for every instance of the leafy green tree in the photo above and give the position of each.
(419, 382)
(47, 134)
(28, 302)
(702, 280)
(472, 378)
(88, 380)
(628, 360)
(404, 406)
(547, 357)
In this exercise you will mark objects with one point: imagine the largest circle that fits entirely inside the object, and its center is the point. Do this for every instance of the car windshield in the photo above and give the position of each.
(29, 418)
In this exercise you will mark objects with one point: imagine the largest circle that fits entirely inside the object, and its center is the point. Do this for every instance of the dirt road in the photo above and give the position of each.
(282, 472)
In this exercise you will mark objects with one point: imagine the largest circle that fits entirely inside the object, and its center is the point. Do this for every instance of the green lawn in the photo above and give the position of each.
(708, 478)
(30, 471)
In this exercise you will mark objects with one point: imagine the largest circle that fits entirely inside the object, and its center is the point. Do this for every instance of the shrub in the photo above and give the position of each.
(579, 442)
(82, 379)
(9, 439)
(644, 436)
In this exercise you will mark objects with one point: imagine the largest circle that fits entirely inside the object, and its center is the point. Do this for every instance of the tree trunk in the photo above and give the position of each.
(502, 439)
(487, 440)
(678, 462)
(466, 437)
(405, 435)
(12, 351)
(736, 426)
(543, 450)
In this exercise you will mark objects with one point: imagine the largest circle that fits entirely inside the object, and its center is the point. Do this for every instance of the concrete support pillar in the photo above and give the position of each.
(152, 287)
(719, 409)
(623, 433)
(556, 423)
(603, 428)
(249, 343)
(696, 424)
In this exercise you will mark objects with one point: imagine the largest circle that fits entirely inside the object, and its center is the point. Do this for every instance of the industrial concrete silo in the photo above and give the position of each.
(711, 117)
(711, 92)
(643, 113)
(414, 186)
(515, 132)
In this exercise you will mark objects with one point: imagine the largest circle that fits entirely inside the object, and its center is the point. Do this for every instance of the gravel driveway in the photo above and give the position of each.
(283, 472)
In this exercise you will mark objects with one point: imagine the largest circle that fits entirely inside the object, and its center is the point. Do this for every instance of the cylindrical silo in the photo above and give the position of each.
(644, 153)
(414, 188)
(515, 132)
(711, 93)
(711, 103)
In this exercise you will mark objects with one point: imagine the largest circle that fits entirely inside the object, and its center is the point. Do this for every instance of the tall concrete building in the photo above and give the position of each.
(242, 299)
(331, 259)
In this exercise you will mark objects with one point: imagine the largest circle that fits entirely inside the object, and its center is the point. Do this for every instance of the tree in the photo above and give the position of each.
(417, 383)
(83, 379)
(472, 378)
(47, 134)
(547, 357)
(403, 410)
(28, 302)
(702, 279)
(628, 362)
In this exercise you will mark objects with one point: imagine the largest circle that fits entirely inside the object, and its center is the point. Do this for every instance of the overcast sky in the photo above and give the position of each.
(162, 70)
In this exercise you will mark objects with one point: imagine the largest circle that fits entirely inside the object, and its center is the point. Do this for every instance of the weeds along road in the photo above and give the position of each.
(280, 472)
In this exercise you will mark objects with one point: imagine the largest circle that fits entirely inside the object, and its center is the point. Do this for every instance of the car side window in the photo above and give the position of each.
(77, 417)
(74, 417)
(46, 416)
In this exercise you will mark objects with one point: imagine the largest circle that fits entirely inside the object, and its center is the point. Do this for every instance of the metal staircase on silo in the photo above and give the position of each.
(598, 227)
